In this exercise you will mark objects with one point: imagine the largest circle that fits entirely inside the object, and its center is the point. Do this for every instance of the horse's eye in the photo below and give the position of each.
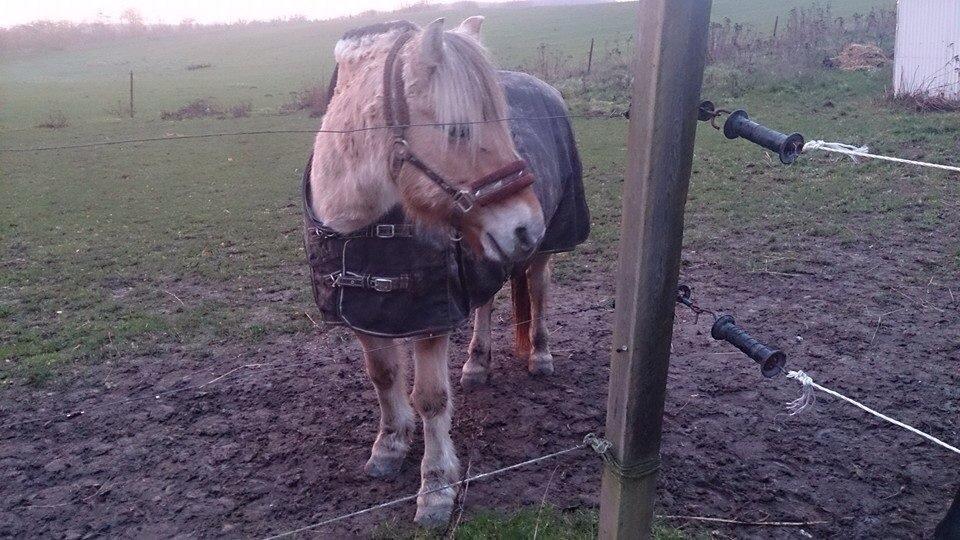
(459, 131)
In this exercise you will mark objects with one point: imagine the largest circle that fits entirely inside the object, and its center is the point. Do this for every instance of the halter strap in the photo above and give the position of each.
(395, 107)
(494, 187)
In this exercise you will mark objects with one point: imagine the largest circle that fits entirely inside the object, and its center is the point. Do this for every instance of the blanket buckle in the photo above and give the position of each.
(341, 279)
(383, 285)
(385, 230)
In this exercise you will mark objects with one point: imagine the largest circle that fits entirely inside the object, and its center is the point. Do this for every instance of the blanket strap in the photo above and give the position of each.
(366, 281)
(378, 230)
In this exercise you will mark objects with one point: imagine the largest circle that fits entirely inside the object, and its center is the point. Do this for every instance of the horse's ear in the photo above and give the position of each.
(471, 26)
(431, 46)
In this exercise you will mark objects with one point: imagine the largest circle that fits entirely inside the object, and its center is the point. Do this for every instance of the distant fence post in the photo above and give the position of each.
(131, 93)
(590, 57)
(776, 23)
(668, 74)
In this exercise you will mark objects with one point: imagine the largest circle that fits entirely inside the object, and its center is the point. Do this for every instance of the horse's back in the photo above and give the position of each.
(544, 138)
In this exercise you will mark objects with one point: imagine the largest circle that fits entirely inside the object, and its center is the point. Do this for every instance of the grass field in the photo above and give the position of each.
(263, 65)
(120, 252)
(99, 240)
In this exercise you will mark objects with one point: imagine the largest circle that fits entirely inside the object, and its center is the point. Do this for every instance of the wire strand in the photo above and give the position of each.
(285, 131)
(474, 478)
(263, 368)
(807, 381)
(862, 151)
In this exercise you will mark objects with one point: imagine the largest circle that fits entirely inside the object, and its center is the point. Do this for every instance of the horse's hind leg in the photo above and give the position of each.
(476, 371)
(538, 282)
(386, 365)
(431, 397)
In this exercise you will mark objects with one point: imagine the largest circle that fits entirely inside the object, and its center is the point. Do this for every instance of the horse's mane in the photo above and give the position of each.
(379, 28)
(466, 89)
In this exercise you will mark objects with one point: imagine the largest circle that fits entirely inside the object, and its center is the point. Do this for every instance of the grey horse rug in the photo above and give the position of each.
(393, 279)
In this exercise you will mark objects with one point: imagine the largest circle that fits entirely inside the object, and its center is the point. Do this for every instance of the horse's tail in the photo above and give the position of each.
(520, 294)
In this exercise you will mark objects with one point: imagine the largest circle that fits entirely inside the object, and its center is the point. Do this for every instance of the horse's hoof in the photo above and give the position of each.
(383, 467)
(540, 365)
(471, 380)
(432, 517)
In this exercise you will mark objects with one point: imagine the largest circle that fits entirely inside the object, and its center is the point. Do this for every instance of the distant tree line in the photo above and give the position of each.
(60, 35)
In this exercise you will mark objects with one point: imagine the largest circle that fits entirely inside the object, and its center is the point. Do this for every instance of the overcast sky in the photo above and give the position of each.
(14, 12)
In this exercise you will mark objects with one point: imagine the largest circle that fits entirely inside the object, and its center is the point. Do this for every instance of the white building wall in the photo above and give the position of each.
(927, 49)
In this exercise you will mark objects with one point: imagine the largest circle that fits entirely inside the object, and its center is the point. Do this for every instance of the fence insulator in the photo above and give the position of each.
(772, 361)
(788, 147)
(706, 111)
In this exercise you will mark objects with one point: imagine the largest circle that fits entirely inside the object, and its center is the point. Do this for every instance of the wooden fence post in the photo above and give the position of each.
(668, 74)
(131, 94)
(590, 57)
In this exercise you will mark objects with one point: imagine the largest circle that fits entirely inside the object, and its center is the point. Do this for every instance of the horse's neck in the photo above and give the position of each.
(350, 182)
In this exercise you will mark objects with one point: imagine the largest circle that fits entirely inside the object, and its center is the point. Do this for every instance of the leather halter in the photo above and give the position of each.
(497, 186)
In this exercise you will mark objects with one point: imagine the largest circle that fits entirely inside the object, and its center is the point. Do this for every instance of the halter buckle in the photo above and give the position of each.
(465, 201)
(401, 149)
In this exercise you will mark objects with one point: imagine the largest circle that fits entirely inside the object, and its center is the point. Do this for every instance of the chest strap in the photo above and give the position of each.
(366, 281)
(378, 230)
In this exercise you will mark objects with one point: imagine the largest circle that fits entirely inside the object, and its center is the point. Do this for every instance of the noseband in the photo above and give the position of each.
(497, 186)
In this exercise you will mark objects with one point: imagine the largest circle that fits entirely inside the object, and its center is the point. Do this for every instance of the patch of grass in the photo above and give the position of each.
(313, 99)
(34, 370)
(254, 333)
(198, 108)
(207, 108)
(924, 100)
(550, 524)
(54, 120)
(241, 110)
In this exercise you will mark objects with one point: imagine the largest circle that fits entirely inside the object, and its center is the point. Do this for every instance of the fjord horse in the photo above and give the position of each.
(454, 168)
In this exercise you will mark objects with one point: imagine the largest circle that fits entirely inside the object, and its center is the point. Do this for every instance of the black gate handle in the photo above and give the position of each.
(772, 361)
(788, 147)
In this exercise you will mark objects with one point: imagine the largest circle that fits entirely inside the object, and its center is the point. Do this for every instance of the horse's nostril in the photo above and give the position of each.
(524, 241)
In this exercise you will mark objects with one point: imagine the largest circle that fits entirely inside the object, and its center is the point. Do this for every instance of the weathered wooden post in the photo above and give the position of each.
(590, 57)
(668, 74)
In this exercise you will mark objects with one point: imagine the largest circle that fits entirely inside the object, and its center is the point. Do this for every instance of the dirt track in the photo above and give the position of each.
(264, 450)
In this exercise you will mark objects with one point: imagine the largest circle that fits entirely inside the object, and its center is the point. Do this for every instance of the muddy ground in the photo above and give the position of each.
(248, 442)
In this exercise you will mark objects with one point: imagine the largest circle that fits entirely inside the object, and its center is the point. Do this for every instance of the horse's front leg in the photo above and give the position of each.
(538, 281)
(431, 398)
(476, 371)
(386, 365)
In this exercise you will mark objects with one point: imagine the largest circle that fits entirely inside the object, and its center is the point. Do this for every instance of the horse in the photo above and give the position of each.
(463, 190)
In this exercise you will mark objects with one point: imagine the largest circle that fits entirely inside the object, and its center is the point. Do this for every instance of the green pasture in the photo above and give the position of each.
(262, 65)
(127, 250)
(134, 249)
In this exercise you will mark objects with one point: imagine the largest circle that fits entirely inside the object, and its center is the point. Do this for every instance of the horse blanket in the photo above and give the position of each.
(394, 279)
